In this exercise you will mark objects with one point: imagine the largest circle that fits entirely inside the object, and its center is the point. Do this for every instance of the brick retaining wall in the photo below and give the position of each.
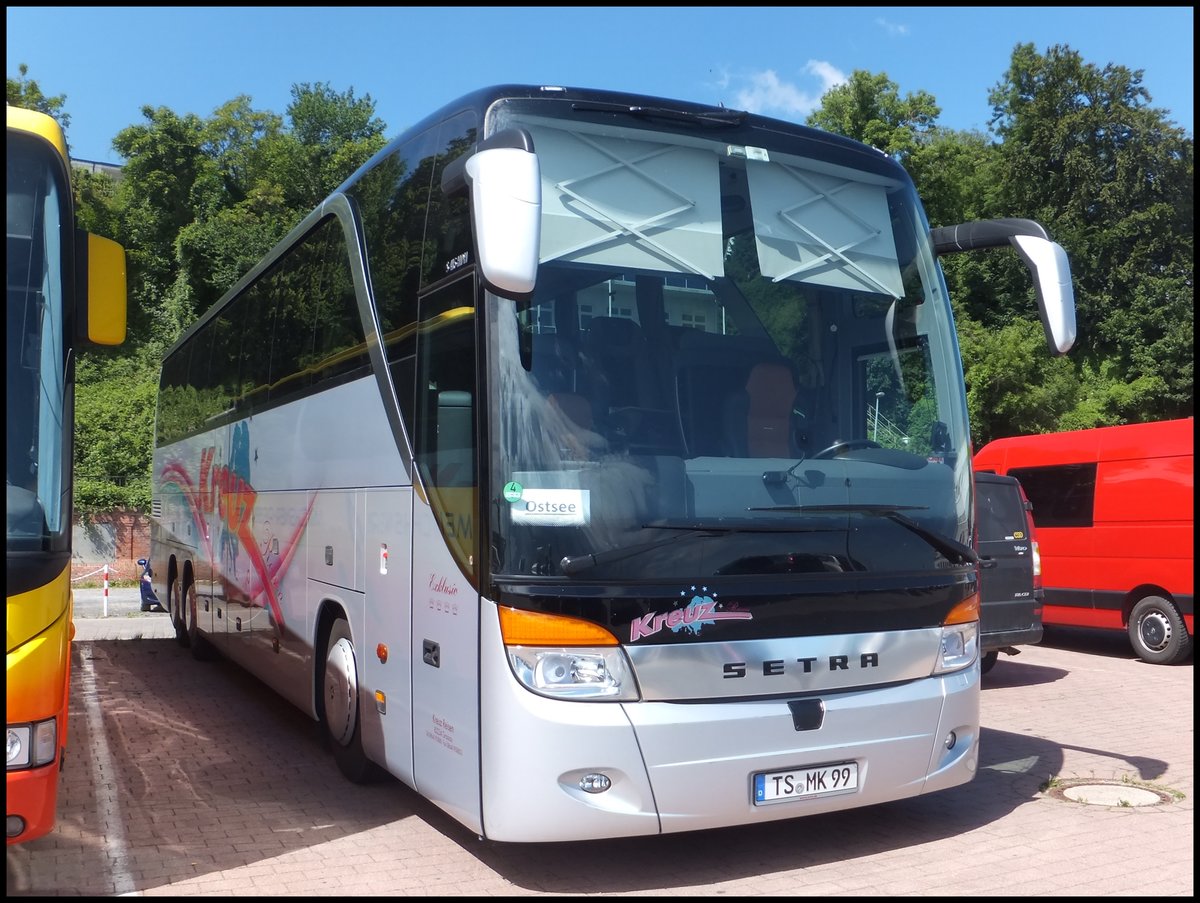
(116, 538)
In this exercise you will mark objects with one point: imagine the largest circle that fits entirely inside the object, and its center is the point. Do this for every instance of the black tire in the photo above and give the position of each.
(202, 649)
(988, 661)
(339, 707)
(175, 605)
(1158, 633)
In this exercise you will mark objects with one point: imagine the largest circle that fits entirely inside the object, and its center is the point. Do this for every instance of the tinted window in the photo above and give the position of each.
(1062, 495)
(171, 423)
(445, 418)
(412, 230)
(999, 510)
(340, 350)
(294, 329)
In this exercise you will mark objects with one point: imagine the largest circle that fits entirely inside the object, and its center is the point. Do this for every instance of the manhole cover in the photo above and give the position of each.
(1108, 793)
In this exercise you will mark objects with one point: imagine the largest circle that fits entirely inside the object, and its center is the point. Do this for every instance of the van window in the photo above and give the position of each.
(1062, 495)
(1000, 514)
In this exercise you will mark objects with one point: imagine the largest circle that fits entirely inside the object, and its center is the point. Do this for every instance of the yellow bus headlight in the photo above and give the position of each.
(31, 745)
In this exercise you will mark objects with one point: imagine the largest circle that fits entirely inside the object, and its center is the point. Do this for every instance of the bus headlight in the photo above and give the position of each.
(960, 647)
(37, 741)
(580, 673)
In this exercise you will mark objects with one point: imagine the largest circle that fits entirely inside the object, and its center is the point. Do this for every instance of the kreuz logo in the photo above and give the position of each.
(701, 610)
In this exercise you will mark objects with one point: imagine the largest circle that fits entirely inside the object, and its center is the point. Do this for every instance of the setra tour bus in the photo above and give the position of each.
(1115, 510)
(65, 287)
(542, 464)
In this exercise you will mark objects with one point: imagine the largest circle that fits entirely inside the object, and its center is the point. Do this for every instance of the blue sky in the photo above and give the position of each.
(112, 61)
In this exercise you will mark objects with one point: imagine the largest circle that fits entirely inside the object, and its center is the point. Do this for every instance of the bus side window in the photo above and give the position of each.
(454, 445)
(340, 349)
(445, 430)
(393, 201)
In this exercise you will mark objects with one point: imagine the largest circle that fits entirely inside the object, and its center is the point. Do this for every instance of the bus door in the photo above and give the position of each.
(387, 654)
(445, 638)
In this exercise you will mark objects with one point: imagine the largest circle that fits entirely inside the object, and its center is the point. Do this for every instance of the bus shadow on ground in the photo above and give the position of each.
(200, 769)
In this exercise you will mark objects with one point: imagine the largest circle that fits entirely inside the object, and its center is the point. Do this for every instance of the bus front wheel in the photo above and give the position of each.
(1158, 633)
(339, 713)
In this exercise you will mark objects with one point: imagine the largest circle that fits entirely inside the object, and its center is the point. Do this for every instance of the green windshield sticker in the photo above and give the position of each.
(512, 491)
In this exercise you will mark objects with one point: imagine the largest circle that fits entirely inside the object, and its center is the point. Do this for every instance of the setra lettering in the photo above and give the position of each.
(777, 667)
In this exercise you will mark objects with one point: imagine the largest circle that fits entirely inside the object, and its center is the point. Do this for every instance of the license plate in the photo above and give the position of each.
(800, 783)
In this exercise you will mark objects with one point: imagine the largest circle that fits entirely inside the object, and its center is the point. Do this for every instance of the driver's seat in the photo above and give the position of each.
(770, 399)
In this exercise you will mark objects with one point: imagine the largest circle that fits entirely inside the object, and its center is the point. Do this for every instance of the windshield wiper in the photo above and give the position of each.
(707, 117)
(573, 564)
(953, 549)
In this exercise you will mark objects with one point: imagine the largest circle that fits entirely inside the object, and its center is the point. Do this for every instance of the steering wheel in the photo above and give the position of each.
(845, 445)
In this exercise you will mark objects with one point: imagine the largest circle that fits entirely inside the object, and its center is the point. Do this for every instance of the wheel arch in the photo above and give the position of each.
(329, 610)
(1140, 592)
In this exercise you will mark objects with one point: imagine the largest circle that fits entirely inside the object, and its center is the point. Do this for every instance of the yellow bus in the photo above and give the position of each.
(65, 287)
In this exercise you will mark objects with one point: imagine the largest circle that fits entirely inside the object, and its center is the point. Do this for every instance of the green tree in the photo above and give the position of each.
(158, 195)
(26, 93)
(114, 433)
(869, 108)
(954, 173)
(331, 135)
(1112, 178)
(1014, 386)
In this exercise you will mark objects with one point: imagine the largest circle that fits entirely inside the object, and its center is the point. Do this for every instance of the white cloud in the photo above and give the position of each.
(892, 28)
(767, 94)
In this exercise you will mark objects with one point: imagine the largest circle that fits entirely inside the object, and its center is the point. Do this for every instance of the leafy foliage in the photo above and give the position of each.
(1083, 152)
(26, 93)
(114, 434)
(869, 108)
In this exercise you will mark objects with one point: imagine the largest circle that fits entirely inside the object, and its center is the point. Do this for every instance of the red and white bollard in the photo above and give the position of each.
(106, 591)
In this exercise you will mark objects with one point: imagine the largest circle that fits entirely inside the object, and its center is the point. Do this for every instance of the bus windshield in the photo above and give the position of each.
(38, 506)
(735, 359)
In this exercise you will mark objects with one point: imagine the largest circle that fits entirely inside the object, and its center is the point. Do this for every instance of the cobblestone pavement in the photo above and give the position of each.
(186, 778)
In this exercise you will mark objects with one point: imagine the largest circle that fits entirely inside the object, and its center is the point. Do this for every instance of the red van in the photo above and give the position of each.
(1114, 514)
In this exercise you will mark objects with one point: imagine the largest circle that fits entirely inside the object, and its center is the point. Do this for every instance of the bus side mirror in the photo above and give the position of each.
(1046, 260)
(1047, 263)
(504, 180)
(100, 272)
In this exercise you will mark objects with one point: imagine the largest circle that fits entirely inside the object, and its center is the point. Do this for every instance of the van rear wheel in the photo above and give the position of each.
(988, 661)
(1158, 633)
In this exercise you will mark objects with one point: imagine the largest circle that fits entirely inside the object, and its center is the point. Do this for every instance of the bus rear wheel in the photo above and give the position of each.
(202, 650)
(339, 707)
(175, 603)
(1158, 633)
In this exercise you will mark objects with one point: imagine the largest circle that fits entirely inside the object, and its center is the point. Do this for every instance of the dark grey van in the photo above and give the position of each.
(1010, 570)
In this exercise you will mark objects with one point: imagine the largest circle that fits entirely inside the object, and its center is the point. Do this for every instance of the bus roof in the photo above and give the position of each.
(39, 124)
